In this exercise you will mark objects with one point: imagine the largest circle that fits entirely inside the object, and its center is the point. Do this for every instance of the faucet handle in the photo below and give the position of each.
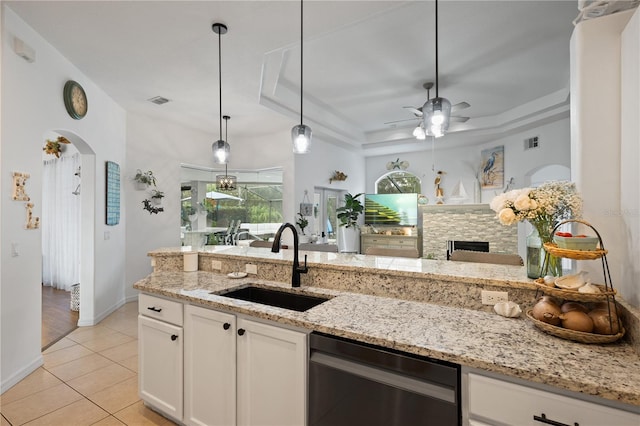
(304, 269)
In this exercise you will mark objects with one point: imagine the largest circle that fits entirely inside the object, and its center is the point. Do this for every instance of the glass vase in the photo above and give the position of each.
(535, 254)
(551, 265)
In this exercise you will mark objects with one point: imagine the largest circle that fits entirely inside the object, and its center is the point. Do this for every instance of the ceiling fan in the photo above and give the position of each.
(417, 111)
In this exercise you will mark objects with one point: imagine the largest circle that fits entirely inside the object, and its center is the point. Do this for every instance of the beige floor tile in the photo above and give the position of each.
(139, 415)
(109, 421)
(107, 341)
(131, 331)
(118, 396)
(79, 413)
(100, 379)
(4, 422)
(120, 352)
(35, 382)
(65, 355)
(80, 367)
(83, 334)
(60, 344)
(130, 363)
(39, 404)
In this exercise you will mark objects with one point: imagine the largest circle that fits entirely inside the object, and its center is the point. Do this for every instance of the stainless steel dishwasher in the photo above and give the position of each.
(352, 383)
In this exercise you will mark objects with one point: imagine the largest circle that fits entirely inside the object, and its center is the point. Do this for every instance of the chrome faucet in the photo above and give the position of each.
(297, 270)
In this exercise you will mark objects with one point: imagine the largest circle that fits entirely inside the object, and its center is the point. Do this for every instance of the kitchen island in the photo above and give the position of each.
(382, 301)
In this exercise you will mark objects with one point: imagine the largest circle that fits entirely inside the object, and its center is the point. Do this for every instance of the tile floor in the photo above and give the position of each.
(89, 377)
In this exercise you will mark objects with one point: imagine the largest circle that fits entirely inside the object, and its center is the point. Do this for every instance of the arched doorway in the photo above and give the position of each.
(87, 225)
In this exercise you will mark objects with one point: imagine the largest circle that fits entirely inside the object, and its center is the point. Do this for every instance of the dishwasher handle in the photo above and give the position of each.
(386, 377)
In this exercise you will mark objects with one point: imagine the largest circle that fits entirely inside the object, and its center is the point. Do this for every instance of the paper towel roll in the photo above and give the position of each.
(190, 261)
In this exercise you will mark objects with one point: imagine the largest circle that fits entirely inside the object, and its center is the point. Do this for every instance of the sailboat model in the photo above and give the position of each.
(459, 193)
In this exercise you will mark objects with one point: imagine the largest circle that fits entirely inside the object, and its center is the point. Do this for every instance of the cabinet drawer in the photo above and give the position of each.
(156, 307)
(492, 400)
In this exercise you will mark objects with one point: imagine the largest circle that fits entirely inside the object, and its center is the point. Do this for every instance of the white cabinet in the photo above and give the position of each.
(242, 371)
(209, 367)
(160, 365)
(272, 372)
(497, 402)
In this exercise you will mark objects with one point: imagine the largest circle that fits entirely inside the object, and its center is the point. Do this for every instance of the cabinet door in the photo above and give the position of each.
(210, 367)
(492, 400)
(272, 375)
(160, 365)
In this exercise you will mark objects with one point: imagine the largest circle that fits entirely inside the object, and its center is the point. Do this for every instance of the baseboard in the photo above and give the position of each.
(107, 312)
(19, 375)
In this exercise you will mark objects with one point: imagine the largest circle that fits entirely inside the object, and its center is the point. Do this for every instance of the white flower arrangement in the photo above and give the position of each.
(544, 206)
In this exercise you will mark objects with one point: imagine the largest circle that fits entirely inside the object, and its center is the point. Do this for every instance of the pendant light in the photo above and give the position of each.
(301, 134)
(221, 149)
(436, 112)
(226, 182)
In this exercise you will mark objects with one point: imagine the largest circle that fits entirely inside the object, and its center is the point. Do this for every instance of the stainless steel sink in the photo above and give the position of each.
(281, 299)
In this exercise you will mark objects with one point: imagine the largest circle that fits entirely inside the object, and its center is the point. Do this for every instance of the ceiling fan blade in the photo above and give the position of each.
(401, 121)
(457, 119)
(416, 111)
(459, 106)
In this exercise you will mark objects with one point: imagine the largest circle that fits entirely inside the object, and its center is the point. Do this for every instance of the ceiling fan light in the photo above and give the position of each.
(301, 138)
(221, 151)
(436, 116)
(419, 133)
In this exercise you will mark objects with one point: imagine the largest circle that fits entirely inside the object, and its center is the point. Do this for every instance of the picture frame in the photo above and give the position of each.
(112, 193)
(491, 173)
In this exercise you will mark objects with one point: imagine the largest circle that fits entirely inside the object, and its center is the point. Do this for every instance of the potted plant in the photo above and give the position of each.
(156, 196)
(144, 179)
(349, 232)
(302, 223)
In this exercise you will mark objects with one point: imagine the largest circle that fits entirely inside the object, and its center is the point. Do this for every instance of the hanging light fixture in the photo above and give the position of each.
(221, 149)
(226, 182)
(301, 134)
(436, 112)
(419, 133)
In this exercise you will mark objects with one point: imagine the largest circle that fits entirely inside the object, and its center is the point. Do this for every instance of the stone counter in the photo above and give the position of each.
(473, 338)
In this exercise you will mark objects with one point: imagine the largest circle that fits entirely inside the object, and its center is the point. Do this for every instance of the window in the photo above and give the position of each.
(256, 202)
(398, 182)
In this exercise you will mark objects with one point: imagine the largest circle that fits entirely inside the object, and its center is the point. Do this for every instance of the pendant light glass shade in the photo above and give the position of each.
(301, 134)
(221, 151)
(436, 113)
(301, 137)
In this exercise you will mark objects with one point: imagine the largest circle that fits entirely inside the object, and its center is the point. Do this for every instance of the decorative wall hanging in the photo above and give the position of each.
(151, 209)
(397, 165)
(306, 208)
(32, 222)
(439, 190)
(144, 179)
(112, 193)
(54, 147)
(492, 173)
(337, 176)
(19, 183)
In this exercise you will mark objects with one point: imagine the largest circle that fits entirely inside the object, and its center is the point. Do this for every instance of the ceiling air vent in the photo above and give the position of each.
(531, 143)
(158, 100)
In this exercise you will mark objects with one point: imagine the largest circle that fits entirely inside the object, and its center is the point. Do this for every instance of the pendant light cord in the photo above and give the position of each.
(301, 58)
(226, 137)
(436, 48)
(220, 77)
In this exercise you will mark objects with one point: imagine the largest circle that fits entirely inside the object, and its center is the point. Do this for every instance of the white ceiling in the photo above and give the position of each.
(363, 61)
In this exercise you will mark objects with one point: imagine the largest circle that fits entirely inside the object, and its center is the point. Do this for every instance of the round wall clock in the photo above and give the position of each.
(75, 100)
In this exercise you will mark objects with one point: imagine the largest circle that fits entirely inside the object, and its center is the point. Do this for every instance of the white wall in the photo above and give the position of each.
(462, 163)
(161, 147)
(32, 106)
(603, 165)
(314, 170)
(630, 158)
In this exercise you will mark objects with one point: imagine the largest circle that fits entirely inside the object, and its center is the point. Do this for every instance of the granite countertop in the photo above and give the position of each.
(472, 338)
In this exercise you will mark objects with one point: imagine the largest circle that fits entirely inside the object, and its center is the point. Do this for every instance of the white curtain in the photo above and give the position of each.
(61, 223)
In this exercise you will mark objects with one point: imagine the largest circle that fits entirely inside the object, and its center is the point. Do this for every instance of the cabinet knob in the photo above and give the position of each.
(241, 331)
(154, 309)
(226, 325)
(174, 337)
